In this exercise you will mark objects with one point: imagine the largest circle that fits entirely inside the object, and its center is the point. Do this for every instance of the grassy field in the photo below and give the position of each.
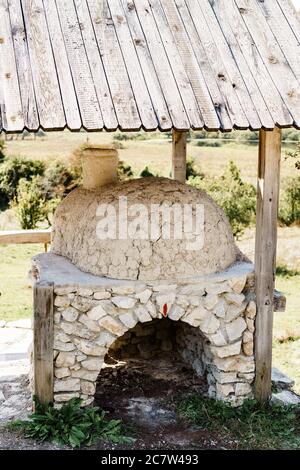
(154, 152)
(16, 294)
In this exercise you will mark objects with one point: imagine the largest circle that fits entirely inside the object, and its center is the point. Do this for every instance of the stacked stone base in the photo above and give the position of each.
(91, 315)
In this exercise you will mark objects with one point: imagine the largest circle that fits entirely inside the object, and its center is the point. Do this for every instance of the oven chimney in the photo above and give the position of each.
(99, 166)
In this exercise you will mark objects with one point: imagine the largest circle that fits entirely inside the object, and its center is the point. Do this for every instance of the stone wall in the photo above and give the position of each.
(88, 320)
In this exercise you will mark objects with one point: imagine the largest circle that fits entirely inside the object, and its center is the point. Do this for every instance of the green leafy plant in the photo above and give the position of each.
(71, 425)
(124, 171)
(251, 426)
(147, 173)
(192, 170)
(235, 196)
(289, 208)
(2, 148)
(30, 205)
(12, 170)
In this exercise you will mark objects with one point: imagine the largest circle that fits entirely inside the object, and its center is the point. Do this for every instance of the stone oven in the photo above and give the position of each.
(142, 296)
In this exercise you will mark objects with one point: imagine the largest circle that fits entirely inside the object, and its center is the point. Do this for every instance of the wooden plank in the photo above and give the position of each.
(150, 76)
(265, 256)
(117, 77)
(228, 27)
(132, 64)
(46, 86)
(283, 33)
(162, 66)
(30, 113)
(12, 111)
(220, 104)
(191, 65)
(25, 237)
(96, 66)
(89, 106)
(182, 78)
(272, 98)
(62, 66)
(43, 295)
(179, 147)
(272, 56)
(219, 55)
(291, 15)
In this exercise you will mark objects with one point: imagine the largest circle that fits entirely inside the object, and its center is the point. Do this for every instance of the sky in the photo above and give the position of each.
(297, 4)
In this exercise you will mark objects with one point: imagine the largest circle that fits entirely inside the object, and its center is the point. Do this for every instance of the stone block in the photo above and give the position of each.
(67, 385)
(90, 324)
(65, 359)
(62, 372)
(96, 313)
(227, 351)
(235, 329)
(125, 303)
(61, 301)
(112, 325)
(144, 296)
(93, 363)
(90, 348)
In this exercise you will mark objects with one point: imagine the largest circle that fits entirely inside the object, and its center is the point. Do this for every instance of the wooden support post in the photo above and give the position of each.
(179, 156)
(265, 256)
(43, 342)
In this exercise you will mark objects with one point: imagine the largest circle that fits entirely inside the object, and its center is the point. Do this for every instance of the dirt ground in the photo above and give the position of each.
(144, 394)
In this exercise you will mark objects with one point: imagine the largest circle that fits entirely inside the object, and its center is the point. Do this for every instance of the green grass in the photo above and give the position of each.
(252, 426)
(15, 288)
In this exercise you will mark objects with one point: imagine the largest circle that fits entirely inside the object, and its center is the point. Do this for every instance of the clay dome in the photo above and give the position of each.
(76, 232)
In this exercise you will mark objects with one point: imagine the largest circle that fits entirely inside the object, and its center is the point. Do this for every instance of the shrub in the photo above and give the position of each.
(192, 170)
(71, 425)
(236, 197)
(59, 180)
(2, 148)
(147, 173)
(124, 171)
(12, 170)
(30, 205)
(289, 209)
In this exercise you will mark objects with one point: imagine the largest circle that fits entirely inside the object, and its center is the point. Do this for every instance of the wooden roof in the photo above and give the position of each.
(151, 64)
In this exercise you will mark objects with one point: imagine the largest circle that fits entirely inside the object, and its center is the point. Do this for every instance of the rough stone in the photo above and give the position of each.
(143, 314)
(105, 339)
(144, 296)
(88, 388)
(235, 329)
(223, 390)
(129, 319)
(218, 339)
(227, 351)
(242, 389)
(236, 299)
(61, 301)
(210, 325)
(77, 329)
(112, 325)
(220, 309)
(166, 299)
(280, 380)
(70, 314)
(65, 397)
(90, 348)
(224, 377)
(62, 372)
(250, 325)
(124, 302)
(176, 312)
(210, 301)
(251, 310)
(90, 324)
(60, 346)
(286, 397)
(248, 348)
(238, 284)
(247, 337)
(67, 385)
(85, 292)
(233, 312)
(65, 359)
(93, 364)
(84, 374)
(103, 295)
(96, 313)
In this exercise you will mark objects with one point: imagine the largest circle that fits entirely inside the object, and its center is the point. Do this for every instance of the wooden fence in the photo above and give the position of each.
(22, 237)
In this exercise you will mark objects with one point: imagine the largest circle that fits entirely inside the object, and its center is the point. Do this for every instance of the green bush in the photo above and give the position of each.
(12, 170)
(59, 180)
(289, 208)
(236, 197)
(2, 148)
(192, 170)
(71, 425)
(147, 173)
(124, 171)
(30, 205)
